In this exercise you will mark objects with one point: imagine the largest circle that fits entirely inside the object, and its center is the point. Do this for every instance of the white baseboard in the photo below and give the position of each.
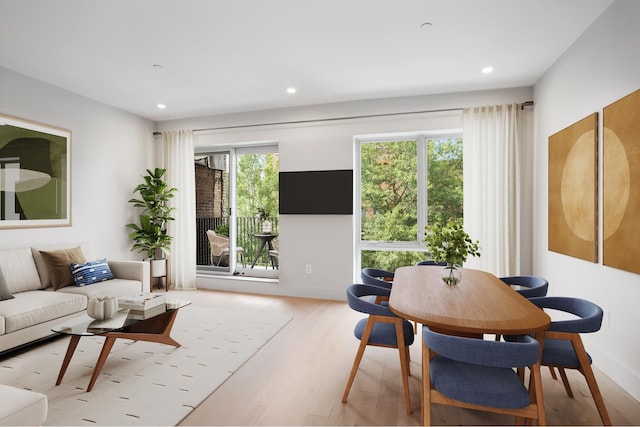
(266, 286)
(623, 376)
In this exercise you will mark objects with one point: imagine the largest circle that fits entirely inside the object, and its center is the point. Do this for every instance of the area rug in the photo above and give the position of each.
(145, 383)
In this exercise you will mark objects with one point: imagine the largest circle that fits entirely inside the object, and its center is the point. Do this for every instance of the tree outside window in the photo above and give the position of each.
(396, 203)
(257, 185)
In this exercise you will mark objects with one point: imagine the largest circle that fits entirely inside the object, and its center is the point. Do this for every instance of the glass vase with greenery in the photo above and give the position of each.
(150, 236)
(449, 242)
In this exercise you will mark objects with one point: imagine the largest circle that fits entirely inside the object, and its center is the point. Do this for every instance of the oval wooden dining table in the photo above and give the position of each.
(480, 304)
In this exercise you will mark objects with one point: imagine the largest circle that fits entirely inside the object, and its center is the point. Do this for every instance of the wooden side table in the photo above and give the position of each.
(159, 269)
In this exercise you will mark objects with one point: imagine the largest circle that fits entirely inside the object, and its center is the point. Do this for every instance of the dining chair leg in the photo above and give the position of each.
(597, 396)
(404, 365)
(535, 383)
(408, 358)
(356, 363)
(565, 381)
(426, 386)
(585, 368)
(553, 373)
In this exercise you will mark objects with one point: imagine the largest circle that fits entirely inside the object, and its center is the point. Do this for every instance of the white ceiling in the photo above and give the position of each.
(225, 56)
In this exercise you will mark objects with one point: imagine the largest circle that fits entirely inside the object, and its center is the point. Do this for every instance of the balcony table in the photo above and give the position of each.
(266, 239)
(480, 304)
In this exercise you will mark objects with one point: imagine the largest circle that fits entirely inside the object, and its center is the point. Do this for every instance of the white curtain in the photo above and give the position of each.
(178, 161)
(492, 183)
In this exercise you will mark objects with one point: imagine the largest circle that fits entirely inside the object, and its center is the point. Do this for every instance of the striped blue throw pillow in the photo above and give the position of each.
(91, 272)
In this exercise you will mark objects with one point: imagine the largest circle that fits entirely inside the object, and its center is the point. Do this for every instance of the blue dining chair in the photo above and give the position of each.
(479, 374)
(376, 277)
(432, 262)
(381, 328)
(531, 286)
(563, 347)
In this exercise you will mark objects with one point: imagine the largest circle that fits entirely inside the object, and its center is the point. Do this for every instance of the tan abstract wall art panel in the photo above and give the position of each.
(621, 182)
(573, 195)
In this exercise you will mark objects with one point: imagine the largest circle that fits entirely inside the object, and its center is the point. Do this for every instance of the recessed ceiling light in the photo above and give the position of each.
(161, 106)
(487, 70)
(291, 90)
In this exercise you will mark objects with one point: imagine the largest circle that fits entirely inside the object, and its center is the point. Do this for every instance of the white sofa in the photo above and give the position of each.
(22, 407)
(36, 306)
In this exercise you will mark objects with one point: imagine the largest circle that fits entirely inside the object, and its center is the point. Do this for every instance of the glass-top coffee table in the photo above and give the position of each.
(121, 325)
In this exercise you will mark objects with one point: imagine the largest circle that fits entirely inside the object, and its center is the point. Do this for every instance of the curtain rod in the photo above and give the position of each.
(330, 119)
(365, 116)
(526, 104)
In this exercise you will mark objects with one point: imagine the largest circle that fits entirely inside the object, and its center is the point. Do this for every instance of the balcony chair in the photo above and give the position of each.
(381, 328)
(563, 348)
(478, 374)
(531, 286)
(220, 248)
(274, 254)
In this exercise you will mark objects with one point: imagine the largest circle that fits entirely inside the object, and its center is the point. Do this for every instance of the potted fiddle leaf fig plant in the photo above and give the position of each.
(449, 242)
(150, 235)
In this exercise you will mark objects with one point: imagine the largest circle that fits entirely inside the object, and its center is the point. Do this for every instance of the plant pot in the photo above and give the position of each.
(451, 274)
(158, 267)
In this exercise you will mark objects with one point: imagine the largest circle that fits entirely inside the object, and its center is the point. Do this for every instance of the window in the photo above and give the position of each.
(405, 183)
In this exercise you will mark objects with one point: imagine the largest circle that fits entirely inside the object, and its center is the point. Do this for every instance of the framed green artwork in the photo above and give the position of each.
(35, 174)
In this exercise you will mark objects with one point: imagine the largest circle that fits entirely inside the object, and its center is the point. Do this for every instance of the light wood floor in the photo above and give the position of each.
(298, 378)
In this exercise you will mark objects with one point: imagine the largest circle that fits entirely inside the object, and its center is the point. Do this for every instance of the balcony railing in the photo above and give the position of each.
(247, 227)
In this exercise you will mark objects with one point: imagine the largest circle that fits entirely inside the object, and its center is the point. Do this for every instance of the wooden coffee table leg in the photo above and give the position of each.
(156, 329)
(73, 343)
(106, 349)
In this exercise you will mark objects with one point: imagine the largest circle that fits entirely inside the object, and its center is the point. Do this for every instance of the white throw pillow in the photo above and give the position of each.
(19, 270)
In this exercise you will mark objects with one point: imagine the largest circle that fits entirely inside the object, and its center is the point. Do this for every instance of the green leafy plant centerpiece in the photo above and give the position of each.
(450, 243)
(150, 236)
(265, 223)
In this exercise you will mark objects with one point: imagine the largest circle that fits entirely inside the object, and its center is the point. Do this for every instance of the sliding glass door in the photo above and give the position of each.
(237, 211)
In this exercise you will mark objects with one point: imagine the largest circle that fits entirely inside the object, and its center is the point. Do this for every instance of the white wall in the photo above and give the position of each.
(600, 68)
(326, 242)
(110, 150)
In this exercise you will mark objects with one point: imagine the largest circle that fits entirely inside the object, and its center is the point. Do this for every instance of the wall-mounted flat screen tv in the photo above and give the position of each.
(328, 192)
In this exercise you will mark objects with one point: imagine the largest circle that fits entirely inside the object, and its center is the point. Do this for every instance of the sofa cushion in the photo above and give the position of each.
(91, 272)
(22, 407)
(41, 264)
(5, 293)
(19, 270)
(109, 288)
(59, 265)
(33, 307)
